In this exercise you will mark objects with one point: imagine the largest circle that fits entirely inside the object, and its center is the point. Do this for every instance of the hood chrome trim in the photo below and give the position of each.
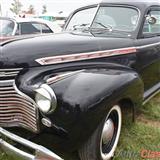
(85, 56)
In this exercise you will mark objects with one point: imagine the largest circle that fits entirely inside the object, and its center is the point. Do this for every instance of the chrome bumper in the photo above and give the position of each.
(41, 153)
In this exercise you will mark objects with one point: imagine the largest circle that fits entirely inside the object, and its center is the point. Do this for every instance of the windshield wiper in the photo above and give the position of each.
(107, 30)
(99, 30)
(109, 27)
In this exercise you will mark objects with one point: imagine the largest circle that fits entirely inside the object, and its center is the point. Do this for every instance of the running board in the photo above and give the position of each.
(149, 94)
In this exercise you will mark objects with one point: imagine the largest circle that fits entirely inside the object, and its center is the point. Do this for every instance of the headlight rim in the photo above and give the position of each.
(51, 97)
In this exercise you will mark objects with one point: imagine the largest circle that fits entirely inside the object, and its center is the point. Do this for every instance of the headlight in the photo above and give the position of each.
(46, 99)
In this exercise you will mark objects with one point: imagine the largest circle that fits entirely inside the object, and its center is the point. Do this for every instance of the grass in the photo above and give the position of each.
(143, 134)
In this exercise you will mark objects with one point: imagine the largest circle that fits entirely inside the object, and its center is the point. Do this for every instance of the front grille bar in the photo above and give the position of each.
(9, 72)
(16, 109)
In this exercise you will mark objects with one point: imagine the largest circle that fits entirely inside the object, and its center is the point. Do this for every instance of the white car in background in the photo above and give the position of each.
(25, 26)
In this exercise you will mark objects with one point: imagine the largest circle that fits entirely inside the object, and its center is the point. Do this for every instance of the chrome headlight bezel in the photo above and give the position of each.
(45, 99)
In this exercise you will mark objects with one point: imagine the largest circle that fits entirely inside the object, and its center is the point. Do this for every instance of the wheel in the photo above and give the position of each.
(102, 144)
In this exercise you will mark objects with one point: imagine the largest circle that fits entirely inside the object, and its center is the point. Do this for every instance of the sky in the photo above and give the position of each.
(53, 6)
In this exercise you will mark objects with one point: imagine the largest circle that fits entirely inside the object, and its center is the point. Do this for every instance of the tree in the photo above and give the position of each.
(44, 9)
(31, 10)
(16, 7)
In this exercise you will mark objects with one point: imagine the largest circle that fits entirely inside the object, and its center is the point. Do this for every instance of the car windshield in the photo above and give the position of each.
(6, 27)
(108, 21)
(82, 19)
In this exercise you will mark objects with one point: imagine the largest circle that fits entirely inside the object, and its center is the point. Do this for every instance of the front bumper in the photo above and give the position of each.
(41, 153)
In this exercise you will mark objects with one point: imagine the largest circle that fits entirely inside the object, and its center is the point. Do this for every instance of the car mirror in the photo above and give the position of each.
(151, 20)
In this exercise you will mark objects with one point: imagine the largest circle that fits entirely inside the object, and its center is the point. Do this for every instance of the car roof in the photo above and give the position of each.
(138, 3)
(21, 20)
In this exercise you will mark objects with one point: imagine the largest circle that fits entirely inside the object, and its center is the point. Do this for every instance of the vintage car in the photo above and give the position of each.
(21, 26)
(65, 94)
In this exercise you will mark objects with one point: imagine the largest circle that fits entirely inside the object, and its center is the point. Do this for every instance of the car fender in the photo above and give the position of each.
(84, 98)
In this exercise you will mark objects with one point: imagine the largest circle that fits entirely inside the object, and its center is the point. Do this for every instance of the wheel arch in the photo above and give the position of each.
(128, 109)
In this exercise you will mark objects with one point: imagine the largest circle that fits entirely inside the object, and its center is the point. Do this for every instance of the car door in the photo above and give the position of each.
(148, 56)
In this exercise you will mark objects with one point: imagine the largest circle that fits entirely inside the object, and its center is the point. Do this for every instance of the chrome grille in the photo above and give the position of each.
(9, 72)
(15, 109)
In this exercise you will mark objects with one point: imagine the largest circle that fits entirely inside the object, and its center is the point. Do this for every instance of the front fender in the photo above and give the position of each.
(84, 99)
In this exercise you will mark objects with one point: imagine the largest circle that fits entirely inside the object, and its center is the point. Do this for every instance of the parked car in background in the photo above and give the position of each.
(58, 18)
(68, 93)
(21, 26)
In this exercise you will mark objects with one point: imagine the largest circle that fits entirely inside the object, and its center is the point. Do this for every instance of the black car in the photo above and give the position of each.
(67, 91)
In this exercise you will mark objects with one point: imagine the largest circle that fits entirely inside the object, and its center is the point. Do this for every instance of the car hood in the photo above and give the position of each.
(23, 52)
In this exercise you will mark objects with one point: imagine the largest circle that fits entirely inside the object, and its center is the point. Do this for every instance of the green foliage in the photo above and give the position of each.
(152, 109)
(31, 10)
(44, 9)
(16, 7)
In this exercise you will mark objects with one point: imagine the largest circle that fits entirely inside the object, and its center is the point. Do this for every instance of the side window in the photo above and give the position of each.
(28, 28)
(34, 28)
(43, 28)
(150, 28)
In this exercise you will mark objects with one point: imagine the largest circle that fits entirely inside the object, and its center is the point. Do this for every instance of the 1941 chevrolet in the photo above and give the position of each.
(65, 93)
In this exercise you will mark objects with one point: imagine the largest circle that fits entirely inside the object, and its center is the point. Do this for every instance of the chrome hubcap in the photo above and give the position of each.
(108, 131)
